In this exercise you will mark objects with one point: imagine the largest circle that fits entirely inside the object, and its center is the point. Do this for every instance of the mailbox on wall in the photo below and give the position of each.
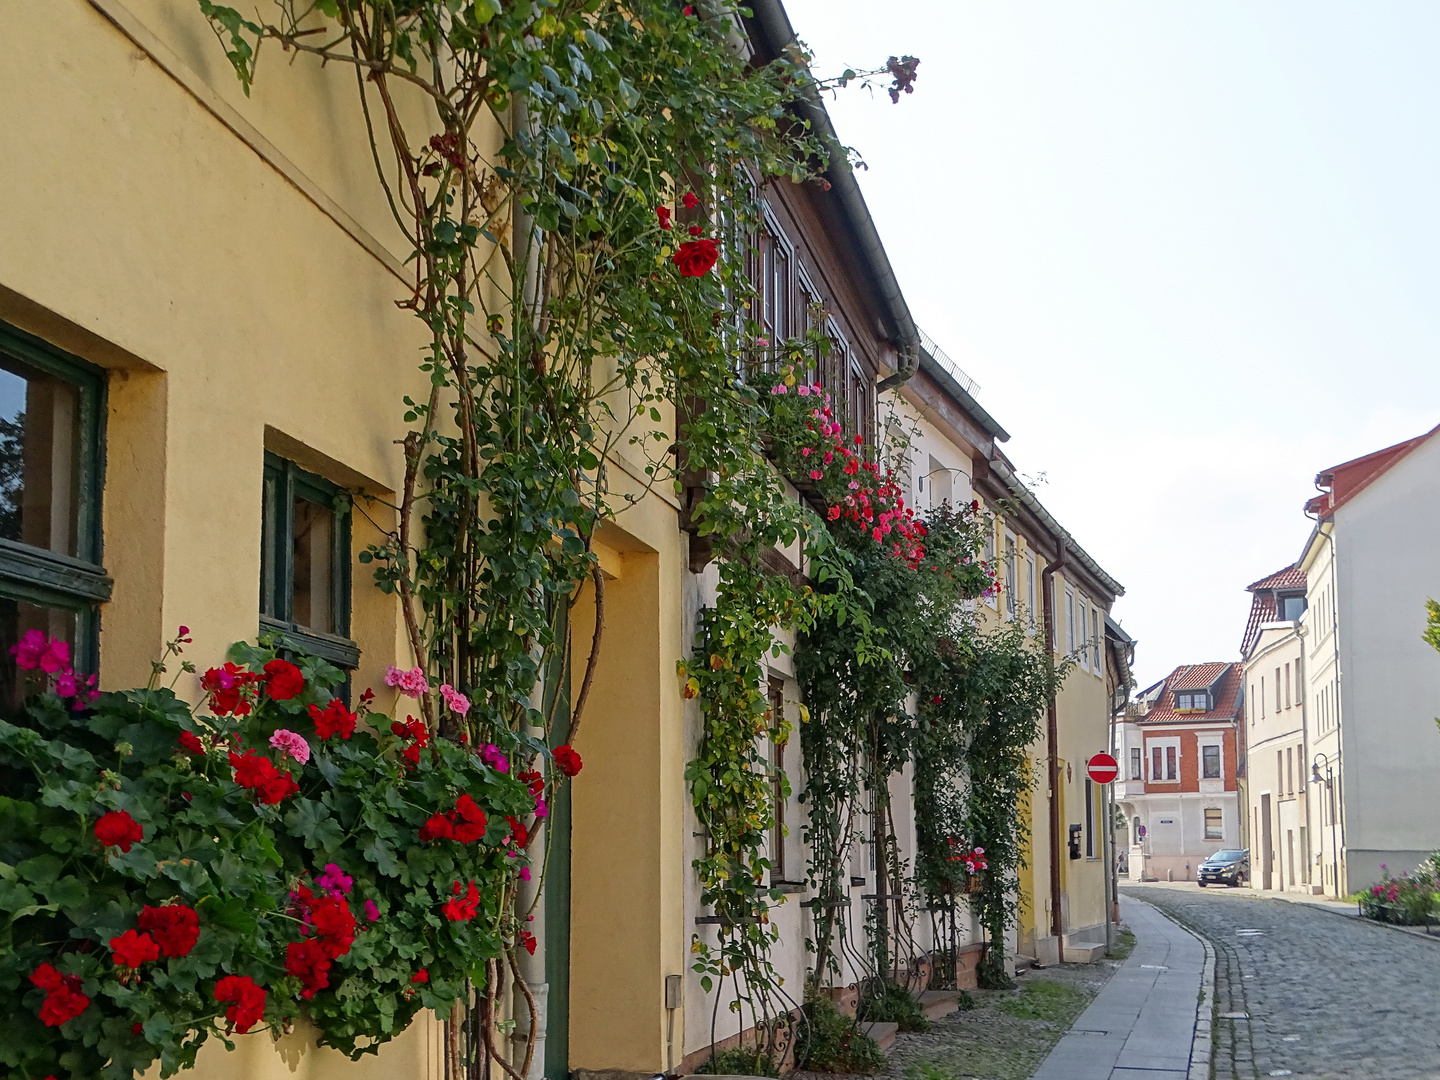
(1075, 831)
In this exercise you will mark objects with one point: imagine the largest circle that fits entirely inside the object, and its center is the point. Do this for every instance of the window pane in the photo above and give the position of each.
(16, 617)
(39, 458)
(1170, 763)
(1212, 762)
(1213, 827)
(314, 530)
(1135, 763)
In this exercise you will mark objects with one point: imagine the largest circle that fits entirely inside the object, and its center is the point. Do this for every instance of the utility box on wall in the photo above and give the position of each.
(1075, 831)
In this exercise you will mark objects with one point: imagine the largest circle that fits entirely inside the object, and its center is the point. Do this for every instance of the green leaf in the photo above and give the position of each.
(40, 871)
(382, 854)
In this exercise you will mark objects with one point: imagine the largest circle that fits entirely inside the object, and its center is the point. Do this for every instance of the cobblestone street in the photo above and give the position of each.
(1310, 993)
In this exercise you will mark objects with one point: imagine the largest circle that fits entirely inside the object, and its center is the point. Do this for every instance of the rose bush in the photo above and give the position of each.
(170, 872)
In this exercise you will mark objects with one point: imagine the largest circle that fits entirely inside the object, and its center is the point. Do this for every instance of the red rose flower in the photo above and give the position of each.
(690, 200)
(133, 948)
(118, 829)
(334, 719)
(283, 680)
(663, 213)
(308, 962)
(695, 230)
(248, 998)
(175, 928)
(696, 257)
(190, 743)
(567, 759)
(438, 827)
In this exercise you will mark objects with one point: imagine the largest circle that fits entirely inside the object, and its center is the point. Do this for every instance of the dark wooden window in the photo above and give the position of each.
(305, 562)
(52, 469)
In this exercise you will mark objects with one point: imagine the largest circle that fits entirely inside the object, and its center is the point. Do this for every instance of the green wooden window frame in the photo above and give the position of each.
(47, 578)
(284, 483)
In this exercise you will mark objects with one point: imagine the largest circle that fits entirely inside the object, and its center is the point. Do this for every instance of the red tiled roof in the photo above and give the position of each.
(1292, 577)
(1349, 478)
(1195, 677)
(1262, 603)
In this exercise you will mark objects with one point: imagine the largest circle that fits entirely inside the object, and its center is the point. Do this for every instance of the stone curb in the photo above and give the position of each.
(1204, 1013)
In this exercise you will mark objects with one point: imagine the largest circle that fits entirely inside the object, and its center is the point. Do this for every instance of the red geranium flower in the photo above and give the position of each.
(190, 743)
(175, 928)
(438, 827)
(567, 759)
(308, 962)
(248, 998)
(471, 827)
(118, 829)
(334, 719)
(63, 999)
(463, 907)
(255, 773)
(283, 680)
(696, 257)
(133, 948)
(226, 687)
(690, 200)
(517, 831)
(421, 976)
(335, 923)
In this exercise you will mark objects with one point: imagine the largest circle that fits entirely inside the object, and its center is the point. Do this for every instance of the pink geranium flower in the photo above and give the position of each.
(411, 683)
(457, 702)
(291, 744)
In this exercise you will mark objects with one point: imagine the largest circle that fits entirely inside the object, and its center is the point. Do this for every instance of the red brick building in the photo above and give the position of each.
(1180, 749)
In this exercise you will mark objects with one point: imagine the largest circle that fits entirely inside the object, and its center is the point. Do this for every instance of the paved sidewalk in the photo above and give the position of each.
(1142, 1024)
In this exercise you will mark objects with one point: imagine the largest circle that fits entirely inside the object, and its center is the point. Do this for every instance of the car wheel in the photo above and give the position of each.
(1235, 882)
(1202, 884)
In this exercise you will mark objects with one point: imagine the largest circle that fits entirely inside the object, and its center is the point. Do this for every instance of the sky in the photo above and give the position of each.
(1189, 251)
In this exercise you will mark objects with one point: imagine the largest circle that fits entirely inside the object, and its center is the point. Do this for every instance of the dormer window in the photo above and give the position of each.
(1290, 607)
(1196, 701)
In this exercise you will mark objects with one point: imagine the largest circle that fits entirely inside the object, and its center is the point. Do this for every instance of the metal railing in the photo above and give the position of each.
(956, 372)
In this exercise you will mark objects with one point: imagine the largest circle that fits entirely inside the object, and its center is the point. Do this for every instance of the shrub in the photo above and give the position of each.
(1408, 900)
(834, 1042)
(741, 1061)
(166, 875)
(885, 1000)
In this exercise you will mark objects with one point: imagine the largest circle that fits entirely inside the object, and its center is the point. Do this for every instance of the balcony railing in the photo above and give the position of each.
(955, 371)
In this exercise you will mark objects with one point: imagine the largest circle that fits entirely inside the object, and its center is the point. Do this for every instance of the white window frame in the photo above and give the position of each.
(1095, 656)
(1163, 743)
(1012, 574)
(1030, 592)
(1069, 620)
(1205, 829)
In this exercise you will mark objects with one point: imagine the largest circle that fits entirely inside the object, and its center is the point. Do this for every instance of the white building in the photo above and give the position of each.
(1372, 682)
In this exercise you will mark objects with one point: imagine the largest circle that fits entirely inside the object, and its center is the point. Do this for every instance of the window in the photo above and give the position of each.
(1170, 755)
(1292, 607)
(1155, 771)
(990, 524)
(1280, 772)
(1251, 704)
(1095, 640)
(1287, 686)
(777, 783)
(1183, 701)
(1210, 762)
(1030, 590)
(1214, 825)
(52, 416)
(1069, 619)
(1290, 769)
(1262, 697)
(1277, 690)
(1089, 818)
(305, 562)
(1012, 598)
(1135, 764)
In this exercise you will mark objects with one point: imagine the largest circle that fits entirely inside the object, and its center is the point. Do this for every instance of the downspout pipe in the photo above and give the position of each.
(779, 35)
(1052, 751)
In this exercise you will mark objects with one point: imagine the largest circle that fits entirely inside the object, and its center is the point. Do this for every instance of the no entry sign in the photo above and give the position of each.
(1102, 768)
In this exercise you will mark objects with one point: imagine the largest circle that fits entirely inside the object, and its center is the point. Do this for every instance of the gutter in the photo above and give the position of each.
(1063, 540)
(778, 35)
(1052, 753)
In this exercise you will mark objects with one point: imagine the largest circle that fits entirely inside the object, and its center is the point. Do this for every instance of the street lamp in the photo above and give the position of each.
(1329, 781)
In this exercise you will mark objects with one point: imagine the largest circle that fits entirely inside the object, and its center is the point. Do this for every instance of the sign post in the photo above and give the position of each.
(1102, 768)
